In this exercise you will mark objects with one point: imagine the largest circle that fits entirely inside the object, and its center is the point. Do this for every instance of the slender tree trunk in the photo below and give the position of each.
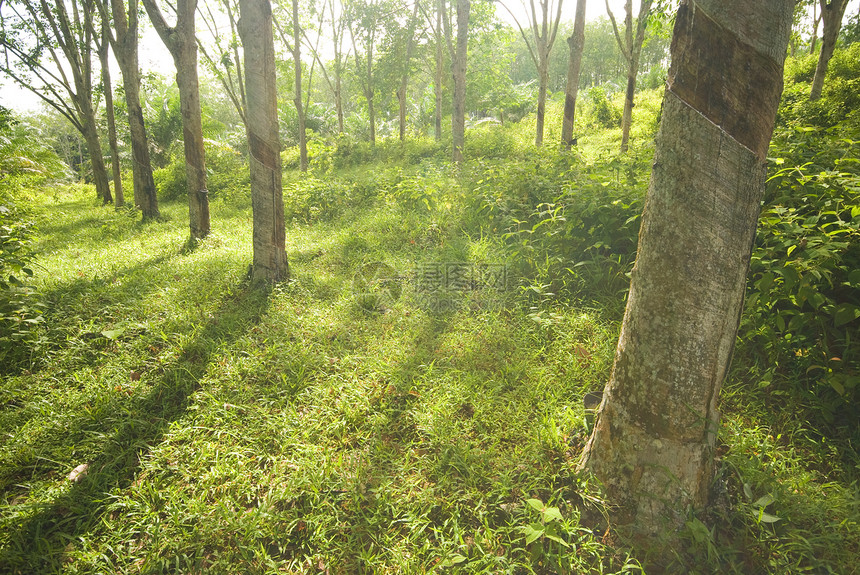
(458, 64)
(831, 14)
(125, 50)
(816, 20)
(297, 98)
(338, 102)
(576, 43)
(116, 168)
(437, 76)
(181, 42)
(404, 77)
(371, 113)
(655, 432)
(91, 136)
(269, 239)
(543, 76)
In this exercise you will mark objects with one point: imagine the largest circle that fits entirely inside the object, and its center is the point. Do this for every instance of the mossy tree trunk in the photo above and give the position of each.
(831, 16)
(181, 42)
(267, 202)
(576, 42)
(655, 431)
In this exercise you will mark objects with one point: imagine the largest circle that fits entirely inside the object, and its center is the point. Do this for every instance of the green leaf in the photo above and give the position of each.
(764, 500)
(845, 313)
(767, 517)
(113, 333)
(537, 504)
(455, 559)
(532, 533)
(552, 514)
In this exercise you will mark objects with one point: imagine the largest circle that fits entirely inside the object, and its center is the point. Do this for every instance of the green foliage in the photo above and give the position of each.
(801, 319)
(571, 229)
(602, 113)
(227, 175)
(840, 96)
(25, 166)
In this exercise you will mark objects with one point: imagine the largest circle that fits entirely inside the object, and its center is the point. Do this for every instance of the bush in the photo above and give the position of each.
(802, 311)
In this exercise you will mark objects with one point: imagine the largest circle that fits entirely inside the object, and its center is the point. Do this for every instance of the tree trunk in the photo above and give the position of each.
(91, 136)
(458, 65)
(437, 76)
(816, 20)
(116, 168)
(576, 42)
(371, 113)
(181, 42)
(404, 77)
(125, 51)
(654, 436)
(192, 136)
(831, 15)
(297, 98)
(543, 75)
(338, 101)
(267, 202)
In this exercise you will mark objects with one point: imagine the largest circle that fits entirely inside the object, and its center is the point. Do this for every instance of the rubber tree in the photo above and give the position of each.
(655, 431)
(832, 12)
(544, 29)
(124, 41)
(181, 42)
(103, 46)
(631, 49)
(47, 49)
(576, 43)
(294, 45)
(270, 263)
(457, 49)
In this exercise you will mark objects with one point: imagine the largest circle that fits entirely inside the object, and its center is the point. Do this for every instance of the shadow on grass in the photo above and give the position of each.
(37, 543)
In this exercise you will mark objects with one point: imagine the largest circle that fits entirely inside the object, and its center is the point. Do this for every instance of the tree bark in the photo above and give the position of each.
(631, 48)
(404, 77)
(458, 67)
(437, 76)
(653, 442)
(66, 37)
(116, 168)
(181, 42)
(831, 16)
(267, 202)
(125, 49)
(576, 43)
(297, 98)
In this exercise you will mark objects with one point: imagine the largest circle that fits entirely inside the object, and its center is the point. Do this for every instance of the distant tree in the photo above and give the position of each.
(544, 29)
(294, 45)
(406, 67)
(222, 57)
(832, 12)
(631, 48)
(48, 51)
(270, 263)
(655, 432)
(332, 72)
(181, 42)
(124, 41)
(576, 42)
(103, 46)
(458, 51)
(367, 21)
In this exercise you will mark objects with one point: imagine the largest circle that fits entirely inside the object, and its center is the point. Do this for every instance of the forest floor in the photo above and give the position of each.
(355, 419)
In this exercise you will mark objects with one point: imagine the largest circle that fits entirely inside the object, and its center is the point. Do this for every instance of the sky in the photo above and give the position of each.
(153, 55)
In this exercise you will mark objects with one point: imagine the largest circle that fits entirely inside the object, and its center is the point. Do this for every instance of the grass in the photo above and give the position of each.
(318, 428)
(228, 430)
